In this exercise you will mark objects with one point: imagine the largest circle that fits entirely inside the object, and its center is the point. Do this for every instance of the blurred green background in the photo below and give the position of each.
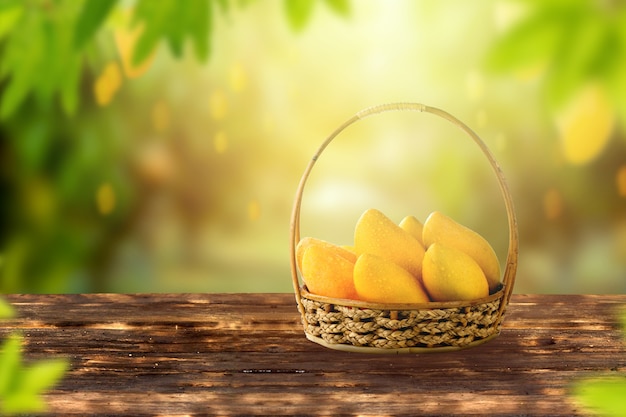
(156, 146)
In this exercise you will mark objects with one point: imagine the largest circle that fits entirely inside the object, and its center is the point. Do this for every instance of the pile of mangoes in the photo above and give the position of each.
(409, 262)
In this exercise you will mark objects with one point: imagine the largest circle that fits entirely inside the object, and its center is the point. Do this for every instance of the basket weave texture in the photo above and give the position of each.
(398, 329)
(377, 328)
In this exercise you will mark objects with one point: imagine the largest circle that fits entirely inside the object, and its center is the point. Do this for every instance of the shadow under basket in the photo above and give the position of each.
(359, 326)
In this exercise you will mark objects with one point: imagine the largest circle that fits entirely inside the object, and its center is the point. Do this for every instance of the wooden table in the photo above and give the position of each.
(246, 354)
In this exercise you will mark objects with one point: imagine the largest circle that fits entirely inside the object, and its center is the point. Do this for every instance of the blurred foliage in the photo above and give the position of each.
(173, 21)
(573, 43)
(52, 151)
(576, 52)
(59, 37)
(602, 395)
(6, 310)
(299, 12)
(579, 47)
(21, 385)
(155, 145)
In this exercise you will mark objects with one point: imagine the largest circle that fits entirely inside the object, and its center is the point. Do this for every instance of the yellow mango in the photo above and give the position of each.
(413, 226)
(325, 272)
(439, 228)
(376, 234)
(451, 275)
(378, 280)
(306, 242)
(349, 248)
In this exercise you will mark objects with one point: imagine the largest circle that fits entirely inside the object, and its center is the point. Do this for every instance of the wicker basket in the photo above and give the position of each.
(358, 326)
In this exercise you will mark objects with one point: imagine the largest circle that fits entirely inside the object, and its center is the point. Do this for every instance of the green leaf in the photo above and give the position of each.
(341, 7)
(6, 311)
(21, 387)
(154, 16)
(93, 13)
(299, 13)
(172, 21)
(10, 362)
(192, 17)
(40, 59)
(575, 39)
(604, 396)
(43, 375)
(64, 58)
(199, 21)
(23, 62)
(22, 402)
(175, 33)
(531, 41)
(57, 50)
(578, 56)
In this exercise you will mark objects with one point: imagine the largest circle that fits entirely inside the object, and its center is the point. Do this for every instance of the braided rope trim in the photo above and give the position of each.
(456, 327)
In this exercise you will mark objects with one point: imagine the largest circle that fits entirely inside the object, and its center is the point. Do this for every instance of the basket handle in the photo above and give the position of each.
(511, 261)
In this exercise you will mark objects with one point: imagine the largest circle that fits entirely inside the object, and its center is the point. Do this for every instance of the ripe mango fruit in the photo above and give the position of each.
(306, 242)
(378, 235)
(413, 226)
(378, 280)
(451, 275)
(325, 271)
(439, 228)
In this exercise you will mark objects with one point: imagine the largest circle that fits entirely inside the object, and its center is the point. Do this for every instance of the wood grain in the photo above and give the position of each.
(246, 354)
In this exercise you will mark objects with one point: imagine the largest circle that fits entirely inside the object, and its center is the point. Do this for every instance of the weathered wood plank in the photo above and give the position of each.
(246, 354)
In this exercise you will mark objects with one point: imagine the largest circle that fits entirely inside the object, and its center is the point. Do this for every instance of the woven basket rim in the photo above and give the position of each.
(432, 305)
(508, 278)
